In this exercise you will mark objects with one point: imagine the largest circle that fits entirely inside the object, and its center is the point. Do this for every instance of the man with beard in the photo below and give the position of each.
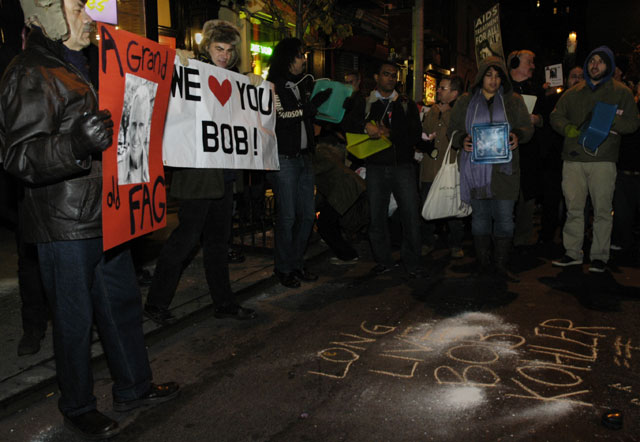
(591, 173)
(54, 138)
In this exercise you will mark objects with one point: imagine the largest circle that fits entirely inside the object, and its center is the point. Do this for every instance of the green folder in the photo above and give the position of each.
(362, 146)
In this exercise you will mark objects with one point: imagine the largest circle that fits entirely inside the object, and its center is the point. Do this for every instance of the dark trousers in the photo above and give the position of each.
(381, 182)
(82, 283)
(206, 222)
(330, 231)
(626, 204)
(34, 308)
(551, 217)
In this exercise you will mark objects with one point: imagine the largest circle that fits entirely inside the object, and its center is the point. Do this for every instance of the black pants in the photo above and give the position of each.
(206, 222)
(34, 308)
(328, 223)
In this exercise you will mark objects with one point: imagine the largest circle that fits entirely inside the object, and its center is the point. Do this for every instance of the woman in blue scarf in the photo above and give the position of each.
(491, 189)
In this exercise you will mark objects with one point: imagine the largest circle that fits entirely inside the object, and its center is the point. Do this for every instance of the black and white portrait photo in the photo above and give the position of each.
(133, 137)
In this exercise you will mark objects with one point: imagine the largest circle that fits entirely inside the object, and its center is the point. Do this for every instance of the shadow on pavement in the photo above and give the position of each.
(451, 296)
(594, 291)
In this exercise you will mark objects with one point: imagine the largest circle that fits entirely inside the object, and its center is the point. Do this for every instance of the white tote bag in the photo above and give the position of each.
(443, 200)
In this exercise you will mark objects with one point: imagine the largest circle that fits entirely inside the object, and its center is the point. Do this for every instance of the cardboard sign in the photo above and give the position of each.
(105, 11)
(135, 79)
(217, 119)
(487, 34)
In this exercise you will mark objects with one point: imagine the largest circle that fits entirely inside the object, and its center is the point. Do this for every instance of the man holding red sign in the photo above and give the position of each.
(55, 136)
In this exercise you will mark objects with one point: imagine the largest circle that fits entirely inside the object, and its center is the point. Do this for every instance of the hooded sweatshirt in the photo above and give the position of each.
(575, 106)
(505, 183)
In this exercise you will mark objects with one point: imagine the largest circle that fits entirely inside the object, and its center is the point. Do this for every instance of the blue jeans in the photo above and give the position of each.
(492, 216)
(82, 283)
(295, 210)
(381, 182)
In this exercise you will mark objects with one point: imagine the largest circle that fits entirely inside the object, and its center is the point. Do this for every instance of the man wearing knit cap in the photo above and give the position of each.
(206, 207)
(586, 173)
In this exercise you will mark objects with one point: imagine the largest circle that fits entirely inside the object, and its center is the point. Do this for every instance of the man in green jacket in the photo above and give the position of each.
(591, 173)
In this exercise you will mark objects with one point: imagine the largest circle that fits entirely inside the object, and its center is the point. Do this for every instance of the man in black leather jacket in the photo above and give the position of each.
(54, 137)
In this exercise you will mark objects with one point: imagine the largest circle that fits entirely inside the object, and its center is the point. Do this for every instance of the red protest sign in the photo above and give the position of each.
(135, 80)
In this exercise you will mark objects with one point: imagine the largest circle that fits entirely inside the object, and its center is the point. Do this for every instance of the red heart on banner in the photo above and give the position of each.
(221, 91)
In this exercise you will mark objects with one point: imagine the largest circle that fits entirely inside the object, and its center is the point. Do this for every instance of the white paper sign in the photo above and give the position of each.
(553, 75)
(217, 119)
(530, 102)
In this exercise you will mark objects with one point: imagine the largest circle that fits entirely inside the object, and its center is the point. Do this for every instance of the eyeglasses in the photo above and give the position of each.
(303, 55)
(443, 88)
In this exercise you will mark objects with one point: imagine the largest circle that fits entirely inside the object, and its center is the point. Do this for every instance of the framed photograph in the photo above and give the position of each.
(490, 143)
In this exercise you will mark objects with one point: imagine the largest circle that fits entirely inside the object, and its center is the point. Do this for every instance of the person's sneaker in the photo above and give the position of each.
(566, 261)
(615, 247)
(342, 262)
(92, 425)
(234, 311)
(379, 269)
(156, 394)
(597, 266)
(159, 315)
(457, 253)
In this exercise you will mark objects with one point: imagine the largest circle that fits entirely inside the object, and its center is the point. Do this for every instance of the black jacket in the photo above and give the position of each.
(293, 115)
(41, 96)
(404, 121)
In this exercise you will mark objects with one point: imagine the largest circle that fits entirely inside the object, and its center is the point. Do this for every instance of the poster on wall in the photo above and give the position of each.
(487, 35)
(135, 80)
(217, 119)
(430, 90)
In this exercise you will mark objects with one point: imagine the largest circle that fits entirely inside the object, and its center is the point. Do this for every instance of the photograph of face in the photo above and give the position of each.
(135, 126)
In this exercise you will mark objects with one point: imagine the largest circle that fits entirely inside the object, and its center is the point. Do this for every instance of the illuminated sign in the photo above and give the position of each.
(258, 49)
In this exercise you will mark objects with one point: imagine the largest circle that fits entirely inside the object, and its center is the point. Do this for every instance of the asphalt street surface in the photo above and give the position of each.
(357, 357)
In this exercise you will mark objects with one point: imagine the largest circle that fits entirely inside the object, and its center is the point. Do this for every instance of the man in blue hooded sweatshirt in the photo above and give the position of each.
(591, 173)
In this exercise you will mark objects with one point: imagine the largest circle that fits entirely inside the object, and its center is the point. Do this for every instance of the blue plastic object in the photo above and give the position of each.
(490, 143)
(597, 130)
(332, 110)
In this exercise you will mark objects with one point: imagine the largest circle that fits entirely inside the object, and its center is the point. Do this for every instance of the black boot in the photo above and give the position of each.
(483, 254)
(502, 247)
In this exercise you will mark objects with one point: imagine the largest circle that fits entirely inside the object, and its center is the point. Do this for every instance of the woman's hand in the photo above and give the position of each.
(467, 144)
(513, 141)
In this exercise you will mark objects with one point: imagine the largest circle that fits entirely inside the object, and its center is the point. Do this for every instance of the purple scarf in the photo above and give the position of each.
(475, 179)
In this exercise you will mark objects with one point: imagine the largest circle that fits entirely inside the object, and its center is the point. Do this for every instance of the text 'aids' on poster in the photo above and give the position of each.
(218, 119)
(135, 80)
(487, 35)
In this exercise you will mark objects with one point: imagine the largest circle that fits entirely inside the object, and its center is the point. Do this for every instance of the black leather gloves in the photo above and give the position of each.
(91, 133)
